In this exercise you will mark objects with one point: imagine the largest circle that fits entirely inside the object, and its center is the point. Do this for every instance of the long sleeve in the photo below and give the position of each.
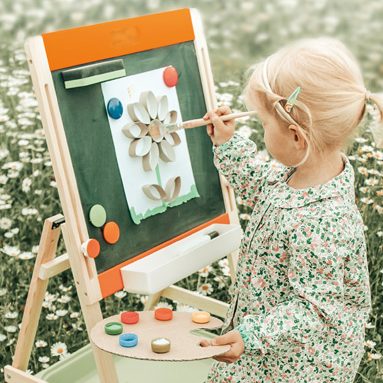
(327, 265)
(236, 160)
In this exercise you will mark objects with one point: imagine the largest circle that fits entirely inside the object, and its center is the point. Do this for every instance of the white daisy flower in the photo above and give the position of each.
(11, 315)
(59, 349)
(205, 289)
(44, 359)
(41, 343)
(61, 313)
(120, 294)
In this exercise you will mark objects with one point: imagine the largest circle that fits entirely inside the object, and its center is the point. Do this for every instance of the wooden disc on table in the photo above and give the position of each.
(163, 314)
(184, 345)
(130, 317)
(200, 317)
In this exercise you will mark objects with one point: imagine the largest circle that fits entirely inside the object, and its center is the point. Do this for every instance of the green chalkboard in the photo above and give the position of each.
(96, 168)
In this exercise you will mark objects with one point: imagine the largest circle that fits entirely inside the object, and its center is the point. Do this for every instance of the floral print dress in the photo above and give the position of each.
(301, 297)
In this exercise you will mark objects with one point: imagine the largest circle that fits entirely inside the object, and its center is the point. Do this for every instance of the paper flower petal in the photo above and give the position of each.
(176, 138)
(150, 160)
(163, 107)
(171, 117)
(172, 188)
(154, 192)
(135, 130)
(149, 101)
(156, 130)
(173, 138)
(167, 153)
(137, 112)
(140, 146)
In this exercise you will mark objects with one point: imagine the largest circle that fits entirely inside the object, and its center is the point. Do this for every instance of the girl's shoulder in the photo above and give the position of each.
(336, 193)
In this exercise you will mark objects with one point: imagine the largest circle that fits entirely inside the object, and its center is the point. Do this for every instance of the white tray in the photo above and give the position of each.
(166, 266)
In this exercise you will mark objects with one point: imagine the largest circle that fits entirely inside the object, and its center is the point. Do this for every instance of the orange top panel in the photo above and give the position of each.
(76, 46)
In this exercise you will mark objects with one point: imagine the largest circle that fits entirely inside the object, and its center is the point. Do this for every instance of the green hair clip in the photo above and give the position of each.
(292, 99)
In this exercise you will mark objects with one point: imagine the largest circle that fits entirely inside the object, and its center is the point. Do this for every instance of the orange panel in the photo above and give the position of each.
(111, 280)
(76, 46)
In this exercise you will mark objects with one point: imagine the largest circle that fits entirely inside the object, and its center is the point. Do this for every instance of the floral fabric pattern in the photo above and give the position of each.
(301, 297)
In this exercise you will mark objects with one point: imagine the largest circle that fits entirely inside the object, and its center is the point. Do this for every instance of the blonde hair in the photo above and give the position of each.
(332, 101)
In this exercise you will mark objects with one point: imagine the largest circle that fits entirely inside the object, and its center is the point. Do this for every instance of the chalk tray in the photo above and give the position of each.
(172, 263)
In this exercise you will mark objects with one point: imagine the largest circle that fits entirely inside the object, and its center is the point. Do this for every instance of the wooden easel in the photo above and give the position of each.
(47, 265)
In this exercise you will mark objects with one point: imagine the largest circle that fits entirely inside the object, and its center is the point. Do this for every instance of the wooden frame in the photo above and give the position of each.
(74, 229)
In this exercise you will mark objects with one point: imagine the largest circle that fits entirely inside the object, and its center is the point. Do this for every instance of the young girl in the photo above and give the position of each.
(301, 297)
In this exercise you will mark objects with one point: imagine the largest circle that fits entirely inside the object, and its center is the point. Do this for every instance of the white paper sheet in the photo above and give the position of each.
(127, 90)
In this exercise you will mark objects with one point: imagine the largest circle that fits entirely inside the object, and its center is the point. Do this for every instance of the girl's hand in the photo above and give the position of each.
(234, 339)
(219, 131)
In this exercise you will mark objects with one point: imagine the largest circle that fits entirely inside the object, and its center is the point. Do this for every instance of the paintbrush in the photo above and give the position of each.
(201, 122)
(169, 128)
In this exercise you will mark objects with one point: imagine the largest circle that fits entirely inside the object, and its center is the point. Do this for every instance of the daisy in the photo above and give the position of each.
(205, 289)
(41, 343)
(59, 349)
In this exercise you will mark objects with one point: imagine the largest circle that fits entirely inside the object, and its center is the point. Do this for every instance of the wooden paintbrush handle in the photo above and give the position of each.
(201, 122)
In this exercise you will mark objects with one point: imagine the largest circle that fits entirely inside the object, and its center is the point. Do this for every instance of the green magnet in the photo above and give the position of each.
(113, 328)
(97, 215)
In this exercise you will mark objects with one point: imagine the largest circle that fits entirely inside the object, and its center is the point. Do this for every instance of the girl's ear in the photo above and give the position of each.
(299, 141)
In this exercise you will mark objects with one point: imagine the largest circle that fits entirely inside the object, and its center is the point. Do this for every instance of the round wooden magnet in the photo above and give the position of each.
(97, 215)
(111, 232)
(170, 76)
(91, 248)
(115, 108)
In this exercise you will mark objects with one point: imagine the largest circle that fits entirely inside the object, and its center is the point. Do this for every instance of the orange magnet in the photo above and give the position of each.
(129, 317)
(170, 76)
(200, 316)
(111, 232)
(91, 248)
(163, 314)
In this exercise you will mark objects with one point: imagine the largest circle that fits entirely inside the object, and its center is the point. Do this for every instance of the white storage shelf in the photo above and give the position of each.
(170, 264)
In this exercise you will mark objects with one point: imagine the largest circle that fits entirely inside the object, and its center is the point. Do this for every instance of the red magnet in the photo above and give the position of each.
(170, 76)
(129, 317)
(111, 232)
(91, 248)
(163, 314)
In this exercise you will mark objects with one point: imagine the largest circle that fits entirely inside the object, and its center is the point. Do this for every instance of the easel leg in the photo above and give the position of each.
(37, 289)
(152, 301)
(92, 315)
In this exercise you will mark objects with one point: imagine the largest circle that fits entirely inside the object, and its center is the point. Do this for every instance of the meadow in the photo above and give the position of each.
(238, 33)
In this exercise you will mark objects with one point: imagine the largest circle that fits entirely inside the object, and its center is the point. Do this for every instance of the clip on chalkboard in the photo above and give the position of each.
(93, 73)
(170, 264)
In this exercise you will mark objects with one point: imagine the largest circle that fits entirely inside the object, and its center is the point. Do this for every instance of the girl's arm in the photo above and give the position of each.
(328, 275)
(246, 174)
(234, 157)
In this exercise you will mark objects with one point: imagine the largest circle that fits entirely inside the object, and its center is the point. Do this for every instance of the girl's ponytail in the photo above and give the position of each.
(377, 124)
